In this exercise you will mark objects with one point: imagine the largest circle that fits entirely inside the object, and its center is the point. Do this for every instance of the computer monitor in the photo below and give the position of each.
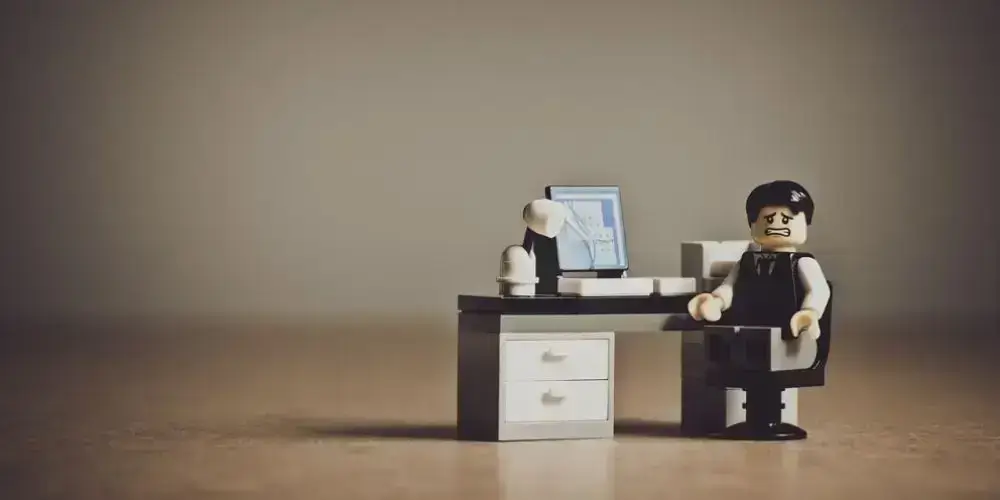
(593, 238)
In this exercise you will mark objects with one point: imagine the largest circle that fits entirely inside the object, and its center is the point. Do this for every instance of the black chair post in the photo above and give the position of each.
(763, 420)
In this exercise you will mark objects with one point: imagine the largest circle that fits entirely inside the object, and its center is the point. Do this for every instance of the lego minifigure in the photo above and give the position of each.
(778, 285)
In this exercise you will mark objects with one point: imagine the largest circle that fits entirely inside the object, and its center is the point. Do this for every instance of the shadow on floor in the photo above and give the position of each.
(448, 432)
(649, 428)
(369, 430)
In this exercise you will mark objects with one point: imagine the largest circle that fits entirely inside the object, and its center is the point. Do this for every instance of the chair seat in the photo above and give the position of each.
(723, 375)
(740, 379)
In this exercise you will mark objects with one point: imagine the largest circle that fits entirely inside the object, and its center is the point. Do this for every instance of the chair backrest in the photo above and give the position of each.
(709, 261)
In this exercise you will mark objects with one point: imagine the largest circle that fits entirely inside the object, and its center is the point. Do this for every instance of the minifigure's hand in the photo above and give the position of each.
(806, 321)
(705, 306)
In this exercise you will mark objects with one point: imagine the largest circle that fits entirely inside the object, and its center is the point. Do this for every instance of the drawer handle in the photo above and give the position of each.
(552, 356)
(549, 397)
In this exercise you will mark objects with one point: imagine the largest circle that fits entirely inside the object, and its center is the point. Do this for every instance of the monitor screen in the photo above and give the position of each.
(593, 238)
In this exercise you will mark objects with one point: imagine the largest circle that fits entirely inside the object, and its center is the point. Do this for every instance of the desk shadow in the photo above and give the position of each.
(448, 432)
(377, 430)
(650, 428)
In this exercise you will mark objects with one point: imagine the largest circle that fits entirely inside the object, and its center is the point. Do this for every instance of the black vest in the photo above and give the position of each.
(768, 290)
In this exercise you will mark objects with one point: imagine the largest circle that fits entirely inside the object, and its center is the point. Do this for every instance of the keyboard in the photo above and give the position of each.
(625, 287)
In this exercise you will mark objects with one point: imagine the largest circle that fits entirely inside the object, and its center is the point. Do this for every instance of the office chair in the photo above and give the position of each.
(762, 362)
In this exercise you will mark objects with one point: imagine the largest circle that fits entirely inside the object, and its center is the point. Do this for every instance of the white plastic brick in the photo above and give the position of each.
(736, 413)
(710, 261)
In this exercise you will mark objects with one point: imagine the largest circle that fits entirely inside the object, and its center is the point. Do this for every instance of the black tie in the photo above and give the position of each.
(765, 265)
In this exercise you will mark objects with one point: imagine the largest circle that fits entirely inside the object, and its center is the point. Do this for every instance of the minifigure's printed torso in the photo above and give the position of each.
(768, 290)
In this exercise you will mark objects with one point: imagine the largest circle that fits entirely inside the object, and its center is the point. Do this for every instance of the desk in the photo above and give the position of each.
(543, 367)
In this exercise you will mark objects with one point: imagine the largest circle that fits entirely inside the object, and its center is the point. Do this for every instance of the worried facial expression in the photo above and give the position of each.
(778, 228)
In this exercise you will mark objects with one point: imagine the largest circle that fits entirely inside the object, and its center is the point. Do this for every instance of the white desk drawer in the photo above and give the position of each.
(585, 359)
(556, 401)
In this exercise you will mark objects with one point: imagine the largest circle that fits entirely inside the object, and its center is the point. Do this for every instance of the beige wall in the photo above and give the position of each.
(205, 157)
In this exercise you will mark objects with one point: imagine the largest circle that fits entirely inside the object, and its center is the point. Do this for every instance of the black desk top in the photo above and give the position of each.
(496, 304)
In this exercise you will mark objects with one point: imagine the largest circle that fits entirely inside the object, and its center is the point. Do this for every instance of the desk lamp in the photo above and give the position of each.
(533, 267)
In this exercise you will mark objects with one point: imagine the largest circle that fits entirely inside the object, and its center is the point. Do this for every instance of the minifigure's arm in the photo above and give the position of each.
(815, 284)
(724, 292)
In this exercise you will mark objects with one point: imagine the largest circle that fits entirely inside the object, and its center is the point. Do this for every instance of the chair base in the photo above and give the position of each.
(780, 431)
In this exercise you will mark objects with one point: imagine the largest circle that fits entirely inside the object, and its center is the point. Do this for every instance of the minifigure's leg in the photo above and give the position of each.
(790, 406)
(736, 406)
(706, 408)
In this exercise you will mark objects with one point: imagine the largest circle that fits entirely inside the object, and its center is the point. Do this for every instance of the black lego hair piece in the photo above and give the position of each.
(780, 193)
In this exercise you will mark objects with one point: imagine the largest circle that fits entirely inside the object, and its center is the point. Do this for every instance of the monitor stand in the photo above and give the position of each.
(602, 274)
(546, 262)
(611, 274)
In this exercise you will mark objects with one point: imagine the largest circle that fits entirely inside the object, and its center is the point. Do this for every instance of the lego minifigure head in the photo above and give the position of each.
(779, 214)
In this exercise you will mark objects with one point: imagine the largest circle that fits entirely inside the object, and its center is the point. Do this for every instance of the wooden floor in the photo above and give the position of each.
(352, 411)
